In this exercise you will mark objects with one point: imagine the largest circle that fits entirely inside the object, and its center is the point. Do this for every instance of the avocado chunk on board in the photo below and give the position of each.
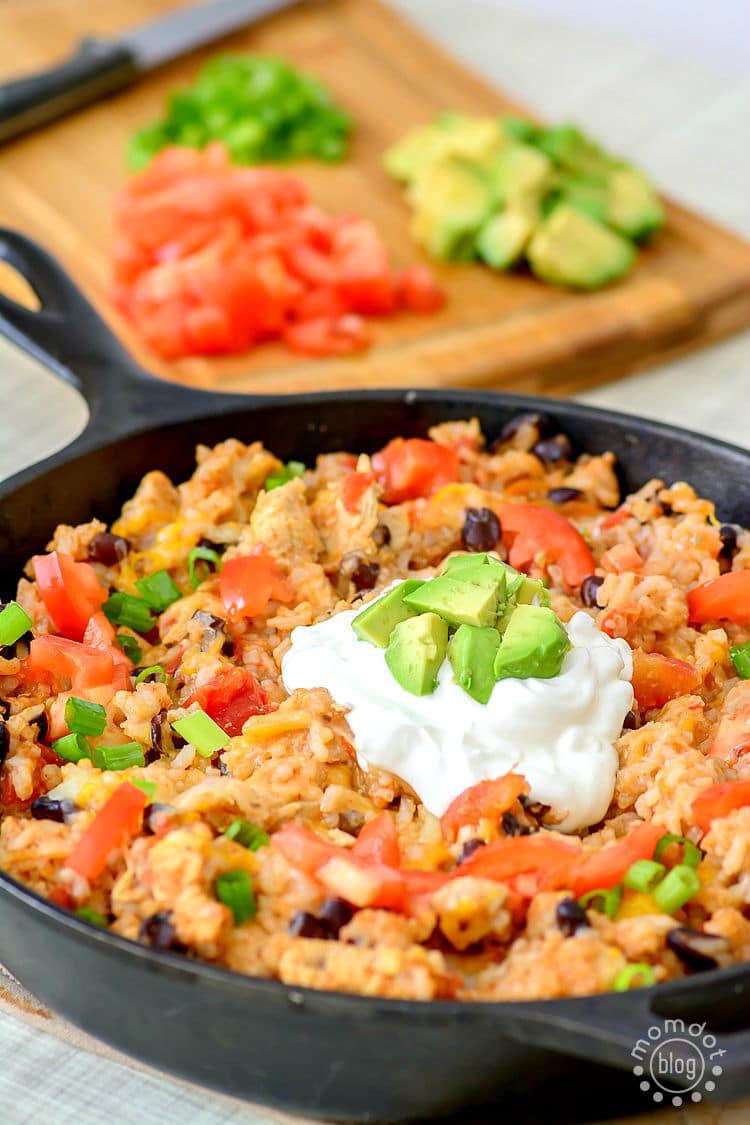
(452, 199)
(571, 249)
(533, 645)
(377, 621)
(416, 651)
(501, 241)
(471, 599)
(471, 651)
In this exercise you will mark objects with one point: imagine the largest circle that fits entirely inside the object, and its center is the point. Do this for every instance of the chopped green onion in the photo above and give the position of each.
(235, 890)
(148, 787)
(739, 655)
(118, 757)
(290, 471)
(125, 609)
(72, 747)
(691, 853)
(92, 916)
(83, 717)
(14, 622)
(129, 646)
(207, 554)
(205, 735)
(159, 590)
(247, 834)
(644, 874)
(154, 670)
(606, 900)
(637, 975)
(676, 888)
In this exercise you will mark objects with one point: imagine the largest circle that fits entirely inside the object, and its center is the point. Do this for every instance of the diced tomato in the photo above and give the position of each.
(533, 532)
(70, 590)
(620, 558)
(353, 488)
(56, 716)
(418, 290)
(487, 800)
(230, 698)
(56, 659)
(364, 884)
(719, 800)
(248, 583)
(116, 823)
(614, 519)
(516, 855)
(364, 276)
(607, 866)
(726, 598)
(378, 842)
(657, 678)
(731, 740)
(414, 468)
(61, 897)
(302, 848)
(328, 335)
(100, 633)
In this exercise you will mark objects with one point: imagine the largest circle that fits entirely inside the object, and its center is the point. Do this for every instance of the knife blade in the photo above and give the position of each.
(99, 67)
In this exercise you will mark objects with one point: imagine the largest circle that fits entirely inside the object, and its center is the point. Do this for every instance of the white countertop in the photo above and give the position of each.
(687, 126)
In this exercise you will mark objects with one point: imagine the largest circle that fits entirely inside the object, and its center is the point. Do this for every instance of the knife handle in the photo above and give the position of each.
(95, 69)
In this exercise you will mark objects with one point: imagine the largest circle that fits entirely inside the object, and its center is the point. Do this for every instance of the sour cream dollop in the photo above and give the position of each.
(558, 733)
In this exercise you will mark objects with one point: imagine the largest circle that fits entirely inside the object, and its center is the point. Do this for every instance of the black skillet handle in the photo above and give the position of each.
(668, 1037)
(95, 69)
(68, 336)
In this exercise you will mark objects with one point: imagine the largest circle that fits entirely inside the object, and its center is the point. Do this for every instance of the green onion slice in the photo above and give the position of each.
(93, 916)
(290, 471)
(644, 875)
(249, 835)
(129, 646)
(14, 622)
(158, 590)
(676, 888)
(72, 747)
(739, 655)
(155, 670)
(691, 853)
(235, 890)
(84, 717)
(205, 735)
(206, 554)
(147, 787)
(637, 975)
(125, 609)
(118, 757)
(606, 900)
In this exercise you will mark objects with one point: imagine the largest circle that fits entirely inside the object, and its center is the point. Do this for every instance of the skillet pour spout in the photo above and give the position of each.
(330, 1055)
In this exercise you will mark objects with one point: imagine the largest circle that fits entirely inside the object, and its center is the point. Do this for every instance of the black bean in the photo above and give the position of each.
(696, 949)
(630, 722)
(154, 816)
(467, 849)
(361, 572)
(563, 495)
(305, 924)
(4, 708)
(4, 741)
(227, 649)
(589, 586)
(532, 807)
(47, 808)
(728, 536)
(351, 821)
(554, 449)
(481, 529)
(512, 826)
(570, 916)
(108, 549)
(335, 913)
(158, 931)
(542, 423)
(209, 620)
(42, 725)
(381, 536)
(223, 768)
(157, 731)
(220, 548)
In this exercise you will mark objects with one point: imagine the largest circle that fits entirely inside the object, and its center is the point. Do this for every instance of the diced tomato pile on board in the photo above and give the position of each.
(212, 258)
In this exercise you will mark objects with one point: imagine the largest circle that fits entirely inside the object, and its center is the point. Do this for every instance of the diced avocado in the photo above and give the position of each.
(458, 563)
(472, 650)
(378, 620)
(473, 600)
(567, 146)
(588, 194)
(404, 159)
(531, 591)
(533, 644)
(519, 129)
(571, 249)
(478, 138)
(415, 652)
(634, 208)
(451, 199)
(518, 171)
(502, 241)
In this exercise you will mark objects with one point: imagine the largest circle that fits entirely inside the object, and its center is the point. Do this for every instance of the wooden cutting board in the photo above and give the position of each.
(690, 287)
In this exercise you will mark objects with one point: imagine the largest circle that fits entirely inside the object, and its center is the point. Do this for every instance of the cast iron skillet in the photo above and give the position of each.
(324, 1054)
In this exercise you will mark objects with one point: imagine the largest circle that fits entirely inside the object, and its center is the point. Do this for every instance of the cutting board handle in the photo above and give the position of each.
(69, 337)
